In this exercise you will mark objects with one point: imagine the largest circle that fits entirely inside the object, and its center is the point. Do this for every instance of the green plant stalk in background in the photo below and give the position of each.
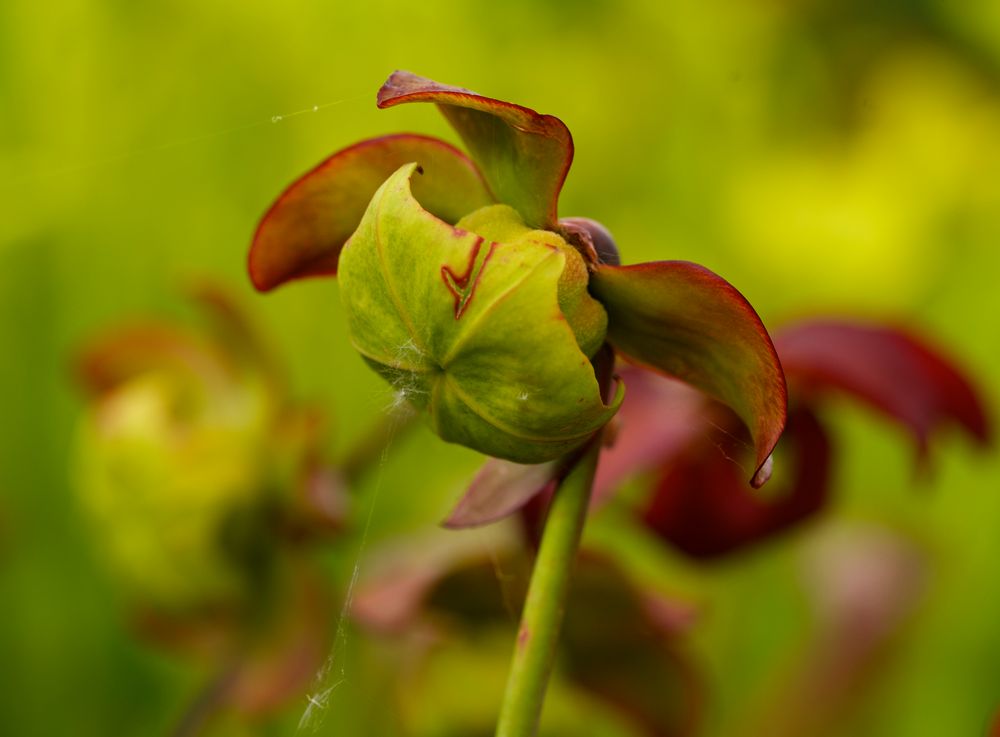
(541, 618)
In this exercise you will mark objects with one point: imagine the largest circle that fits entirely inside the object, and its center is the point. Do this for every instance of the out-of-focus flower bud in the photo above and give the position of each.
(189, 461)
(201, 479)
(173, 473)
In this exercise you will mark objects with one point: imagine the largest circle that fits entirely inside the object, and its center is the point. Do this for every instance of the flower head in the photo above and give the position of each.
(465, 290)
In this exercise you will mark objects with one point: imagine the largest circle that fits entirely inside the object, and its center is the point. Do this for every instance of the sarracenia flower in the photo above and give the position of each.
(463, 288)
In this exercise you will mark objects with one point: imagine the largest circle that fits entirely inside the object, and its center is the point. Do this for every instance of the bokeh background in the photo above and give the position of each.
(825, 157)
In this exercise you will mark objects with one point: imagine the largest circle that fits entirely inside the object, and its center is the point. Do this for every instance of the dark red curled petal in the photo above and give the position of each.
(702, 505)
(301, 235)
(689, 323)
(523, 155)
(889, 369)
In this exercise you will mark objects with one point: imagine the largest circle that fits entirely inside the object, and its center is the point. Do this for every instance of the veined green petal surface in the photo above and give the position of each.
(303, 232)
(470, 329)
(684, 320)
(523, 155)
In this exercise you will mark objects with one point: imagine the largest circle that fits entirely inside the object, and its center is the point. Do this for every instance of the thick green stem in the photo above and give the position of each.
(537, 637)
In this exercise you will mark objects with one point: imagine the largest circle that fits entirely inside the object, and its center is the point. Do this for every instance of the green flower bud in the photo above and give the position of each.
(487, 324)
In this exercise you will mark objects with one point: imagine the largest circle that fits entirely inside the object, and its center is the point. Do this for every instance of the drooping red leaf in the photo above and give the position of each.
(702, 505)
(689, 323)
(523, 155)
(889, 369)
(500, 488)
(301, 235)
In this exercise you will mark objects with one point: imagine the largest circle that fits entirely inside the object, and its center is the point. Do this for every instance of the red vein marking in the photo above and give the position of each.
(463, 287)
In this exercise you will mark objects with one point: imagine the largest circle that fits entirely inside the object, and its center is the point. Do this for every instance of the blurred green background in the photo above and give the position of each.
(824, 156)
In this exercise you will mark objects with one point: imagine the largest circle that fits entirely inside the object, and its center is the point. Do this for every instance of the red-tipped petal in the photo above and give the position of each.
(702, 505)
(304, 231)
(523, 155)
(500, 488)
(681, 319)
(887, 368)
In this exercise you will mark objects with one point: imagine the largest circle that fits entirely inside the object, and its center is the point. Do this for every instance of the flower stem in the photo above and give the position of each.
(541, 618)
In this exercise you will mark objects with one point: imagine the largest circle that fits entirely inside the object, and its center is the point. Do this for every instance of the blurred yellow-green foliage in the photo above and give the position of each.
(824, 156)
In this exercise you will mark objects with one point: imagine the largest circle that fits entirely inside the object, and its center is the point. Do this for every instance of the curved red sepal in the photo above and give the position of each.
(303, 232)
(523, 155)
(685, 321)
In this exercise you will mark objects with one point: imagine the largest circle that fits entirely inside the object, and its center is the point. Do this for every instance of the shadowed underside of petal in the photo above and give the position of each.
(523, 155)
(303, 232)
(887, 368)
(684, 320)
